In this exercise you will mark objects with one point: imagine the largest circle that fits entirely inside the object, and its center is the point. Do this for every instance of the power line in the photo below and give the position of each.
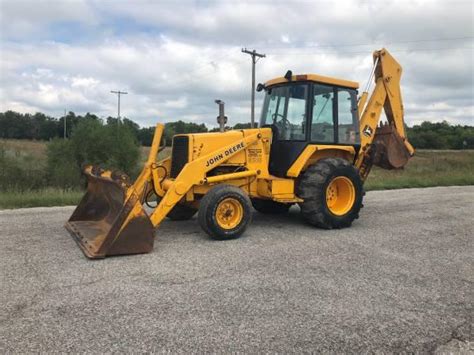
(370, 44)
(194, 73)
(255, 57)
(362, 52)
(314, 50)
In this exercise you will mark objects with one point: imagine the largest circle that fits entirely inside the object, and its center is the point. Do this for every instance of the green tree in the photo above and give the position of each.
(132, 126)
(180, 127)
(241, 126)
(145, 136)
(441, 135)
(91, 142)
(62, 168)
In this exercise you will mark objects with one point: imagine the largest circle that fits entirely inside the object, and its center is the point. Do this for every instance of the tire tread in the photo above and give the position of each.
(311, 188)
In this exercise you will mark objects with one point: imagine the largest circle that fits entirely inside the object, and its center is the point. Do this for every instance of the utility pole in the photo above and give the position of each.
(222, 118)
(65, 119)
(255, 57)
(118, 106)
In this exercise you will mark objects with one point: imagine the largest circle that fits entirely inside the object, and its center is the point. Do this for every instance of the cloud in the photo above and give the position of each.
(27, 19)
(175, 59)
(180, 103)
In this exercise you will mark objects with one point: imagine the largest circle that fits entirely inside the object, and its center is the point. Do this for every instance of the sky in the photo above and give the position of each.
(174, 58)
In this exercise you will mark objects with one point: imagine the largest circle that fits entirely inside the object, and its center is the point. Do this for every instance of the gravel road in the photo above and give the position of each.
(400, 279)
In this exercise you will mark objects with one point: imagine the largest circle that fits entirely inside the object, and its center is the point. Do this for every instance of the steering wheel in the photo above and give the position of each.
(283, 123)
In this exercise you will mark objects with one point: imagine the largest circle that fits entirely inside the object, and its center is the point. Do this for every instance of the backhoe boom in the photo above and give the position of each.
(385, 145)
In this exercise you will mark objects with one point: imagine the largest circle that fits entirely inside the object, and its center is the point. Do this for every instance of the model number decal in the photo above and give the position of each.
(226, 153)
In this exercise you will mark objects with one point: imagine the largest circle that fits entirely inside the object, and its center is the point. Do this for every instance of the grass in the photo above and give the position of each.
(427, 168)
(24, 147)
(45, 197)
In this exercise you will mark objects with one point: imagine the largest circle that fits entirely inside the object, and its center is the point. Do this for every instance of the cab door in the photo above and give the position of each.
(286, 112)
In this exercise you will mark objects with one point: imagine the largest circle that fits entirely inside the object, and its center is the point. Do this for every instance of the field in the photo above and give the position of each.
(427, 168)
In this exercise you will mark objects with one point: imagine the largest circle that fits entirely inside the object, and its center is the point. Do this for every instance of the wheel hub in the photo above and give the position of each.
(340, 195)
(229, 213)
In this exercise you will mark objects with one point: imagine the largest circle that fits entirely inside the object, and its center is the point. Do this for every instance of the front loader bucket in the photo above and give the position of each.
(391, 151)
(106, 222)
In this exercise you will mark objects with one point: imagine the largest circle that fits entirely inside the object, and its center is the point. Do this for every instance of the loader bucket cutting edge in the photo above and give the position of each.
(104, 224)
(391, 152)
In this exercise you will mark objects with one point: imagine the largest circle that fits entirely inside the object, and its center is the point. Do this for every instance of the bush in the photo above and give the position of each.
(110, 146)
(20, 172)
(62, 170)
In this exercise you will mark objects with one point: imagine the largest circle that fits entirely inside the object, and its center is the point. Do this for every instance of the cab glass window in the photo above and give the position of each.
(285, 109)
(322, 126)
(348, 130)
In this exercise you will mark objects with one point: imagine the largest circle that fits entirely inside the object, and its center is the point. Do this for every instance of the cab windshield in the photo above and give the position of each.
(285, 108)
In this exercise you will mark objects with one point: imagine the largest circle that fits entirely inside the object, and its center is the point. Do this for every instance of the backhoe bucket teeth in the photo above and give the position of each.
(107, 222)
(391, 152)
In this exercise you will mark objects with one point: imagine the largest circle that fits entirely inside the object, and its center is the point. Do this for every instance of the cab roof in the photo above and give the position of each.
(315, 78)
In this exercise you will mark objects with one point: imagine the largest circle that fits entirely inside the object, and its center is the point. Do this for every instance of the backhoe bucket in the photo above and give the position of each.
(391, 151)
(107, 222)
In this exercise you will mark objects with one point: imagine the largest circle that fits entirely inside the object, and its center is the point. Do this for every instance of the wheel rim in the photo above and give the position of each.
(229, 213)
(340, 195)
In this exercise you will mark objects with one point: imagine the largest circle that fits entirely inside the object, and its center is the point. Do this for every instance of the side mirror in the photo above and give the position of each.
(260, 87)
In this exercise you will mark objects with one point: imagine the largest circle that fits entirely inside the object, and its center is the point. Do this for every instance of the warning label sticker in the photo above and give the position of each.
(255, 155)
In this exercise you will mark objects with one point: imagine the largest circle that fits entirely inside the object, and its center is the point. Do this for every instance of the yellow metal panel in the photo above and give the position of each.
(314, 152)
(264, 188)
(316, 78)
(283, 187)
(277, 189)
(205, 143)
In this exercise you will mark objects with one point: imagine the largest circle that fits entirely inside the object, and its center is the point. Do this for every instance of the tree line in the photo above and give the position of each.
(441, 135)
(39, 126)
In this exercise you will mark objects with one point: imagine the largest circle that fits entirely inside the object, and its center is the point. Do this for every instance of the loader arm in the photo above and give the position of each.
(384, 145)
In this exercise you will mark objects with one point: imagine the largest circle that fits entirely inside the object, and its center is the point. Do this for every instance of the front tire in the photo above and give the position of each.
(225, 212)
(332, 192)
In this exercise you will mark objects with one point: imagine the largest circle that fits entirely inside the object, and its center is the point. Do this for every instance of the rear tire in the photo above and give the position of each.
(270, 207)
(332, 192)
(225, 212)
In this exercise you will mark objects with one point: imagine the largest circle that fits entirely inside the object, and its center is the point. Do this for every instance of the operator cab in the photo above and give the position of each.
(308, 109)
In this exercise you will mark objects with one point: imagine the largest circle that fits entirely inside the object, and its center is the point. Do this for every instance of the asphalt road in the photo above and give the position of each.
(400, 279)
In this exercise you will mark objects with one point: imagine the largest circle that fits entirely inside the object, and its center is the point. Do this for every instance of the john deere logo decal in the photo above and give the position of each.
(228, 152)
(367, 131)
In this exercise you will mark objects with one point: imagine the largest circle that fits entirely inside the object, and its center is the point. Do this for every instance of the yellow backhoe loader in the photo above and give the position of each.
(314, 147)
